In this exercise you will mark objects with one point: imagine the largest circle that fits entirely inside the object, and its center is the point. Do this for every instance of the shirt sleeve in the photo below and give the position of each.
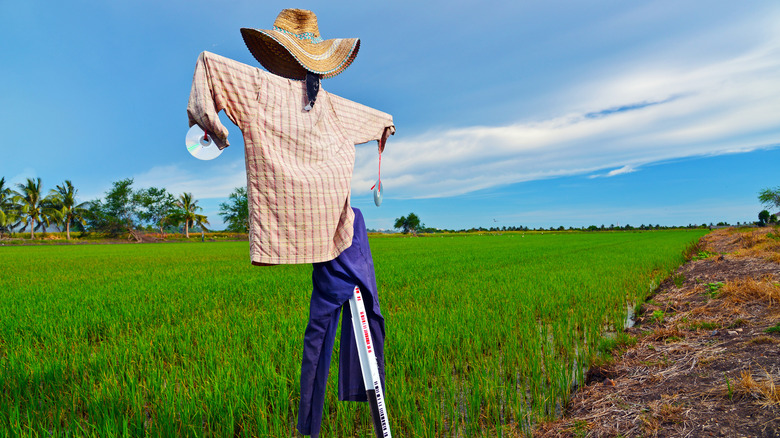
(220, 84)
(361, 123)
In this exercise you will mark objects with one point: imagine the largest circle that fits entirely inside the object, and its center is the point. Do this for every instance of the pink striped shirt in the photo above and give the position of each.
(298, 163)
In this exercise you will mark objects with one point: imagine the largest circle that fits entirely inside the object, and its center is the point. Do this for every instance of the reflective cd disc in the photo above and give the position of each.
(379, 188)
(199, 147)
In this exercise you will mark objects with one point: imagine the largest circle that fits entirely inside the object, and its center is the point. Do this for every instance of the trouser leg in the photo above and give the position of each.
(317, 349)
(333, 285)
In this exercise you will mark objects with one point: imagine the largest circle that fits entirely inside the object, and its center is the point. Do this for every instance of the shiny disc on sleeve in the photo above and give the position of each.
(199, 147)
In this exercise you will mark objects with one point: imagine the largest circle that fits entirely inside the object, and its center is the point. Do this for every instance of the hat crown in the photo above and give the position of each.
(298, 21)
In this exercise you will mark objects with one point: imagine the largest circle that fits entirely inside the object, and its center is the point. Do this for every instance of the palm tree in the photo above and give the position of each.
(7, 221)
(33, 209)
(189, 207)
(64, 200)
(8, 214)
(5, 193)
(201, 221)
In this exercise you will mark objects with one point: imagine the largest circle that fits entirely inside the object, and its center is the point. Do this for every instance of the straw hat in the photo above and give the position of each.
(294, 45)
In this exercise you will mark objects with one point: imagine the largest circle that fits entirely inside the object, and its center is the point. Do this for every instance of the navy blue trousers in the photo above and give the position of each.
(333, 285)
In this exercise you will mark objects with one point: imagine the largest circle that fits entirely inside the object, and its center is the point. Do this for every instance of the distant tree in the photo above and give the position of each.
(763, 217)
(399, 223)
(5, 194)
(98, 220)
(8, 211)
(407, 224)
(8, 219)
(773, 219)
(118, 213)
(64, 203)
(122, 204)
(34, 209)
(175, 218)
(201, 221)
(770, 197)
(188, 207)
(155, 206)
(235, 212)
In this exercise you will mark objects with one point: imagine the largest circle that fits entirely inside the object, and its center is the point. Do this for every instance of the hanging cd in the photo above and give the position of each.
(379, 188)
(200, 146)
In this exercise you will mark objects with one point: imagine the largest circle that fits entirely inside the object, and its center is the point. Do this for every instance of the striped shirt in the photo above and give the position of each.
(298, 163)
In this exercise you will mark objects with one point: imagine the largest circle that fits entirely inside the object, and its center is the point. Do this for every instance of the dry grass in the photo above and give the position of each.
(715, 312)
(741, 291)
(750, 239)
(762, 389)
(766, 248)
(659, 412)
(758, 242)
(762, 243)
(664, 333)
(763, 340)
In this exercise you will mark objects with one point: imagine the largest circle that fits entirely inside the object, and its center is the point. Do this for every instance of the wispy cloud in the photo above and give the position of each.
(651, 110)
(627, 107)
(621, 171)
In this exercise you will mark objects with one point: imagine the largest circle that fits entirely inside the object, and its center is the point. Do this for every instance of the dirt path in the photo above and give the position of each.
(706, 356)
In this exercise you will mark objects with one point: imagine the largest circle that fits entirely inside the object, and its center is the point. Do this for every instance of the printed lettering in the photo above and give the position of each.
(381, 408)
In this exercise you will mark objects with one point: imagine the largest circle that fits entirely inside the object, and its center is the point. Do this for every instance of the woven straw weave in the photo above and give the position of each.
(294, 45)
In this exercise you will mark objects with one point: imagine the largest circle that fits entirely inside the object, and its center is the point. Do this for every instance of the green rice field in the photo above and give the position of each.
(486, 334)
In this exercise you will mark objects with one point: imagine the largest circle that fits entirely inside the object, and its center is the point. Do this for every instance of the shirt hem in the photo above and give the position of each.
(270, 261)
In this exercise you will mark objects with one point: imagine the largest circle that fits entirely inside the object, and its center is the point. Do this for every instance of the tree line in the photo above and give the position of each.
(769, 197)
(124, 209)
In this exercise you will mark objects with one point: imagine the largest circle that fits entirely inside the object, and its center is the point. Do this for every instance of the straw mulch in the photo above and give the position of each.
(707, 357)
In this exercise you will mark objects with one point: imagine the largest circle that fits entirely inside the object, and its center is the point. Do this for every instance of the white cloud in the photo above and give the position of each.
(621, 171)
(218, 182)
(652, 109)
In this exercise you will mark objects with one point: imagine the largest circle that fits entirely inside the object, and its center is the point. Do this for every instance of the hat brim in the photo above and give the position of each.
(288, 56)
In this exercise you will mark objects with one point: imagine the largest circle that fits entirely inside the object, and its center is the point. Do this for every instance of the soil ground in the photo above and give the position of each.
(704, 357)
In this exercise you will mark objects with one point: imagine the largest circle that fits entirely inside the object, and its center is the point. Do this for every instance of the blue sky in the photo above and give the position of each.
(516, 113)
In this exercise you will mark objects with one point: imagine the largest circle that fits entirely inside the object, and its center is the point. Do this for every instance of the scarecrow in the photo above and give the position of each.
(300, 151)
